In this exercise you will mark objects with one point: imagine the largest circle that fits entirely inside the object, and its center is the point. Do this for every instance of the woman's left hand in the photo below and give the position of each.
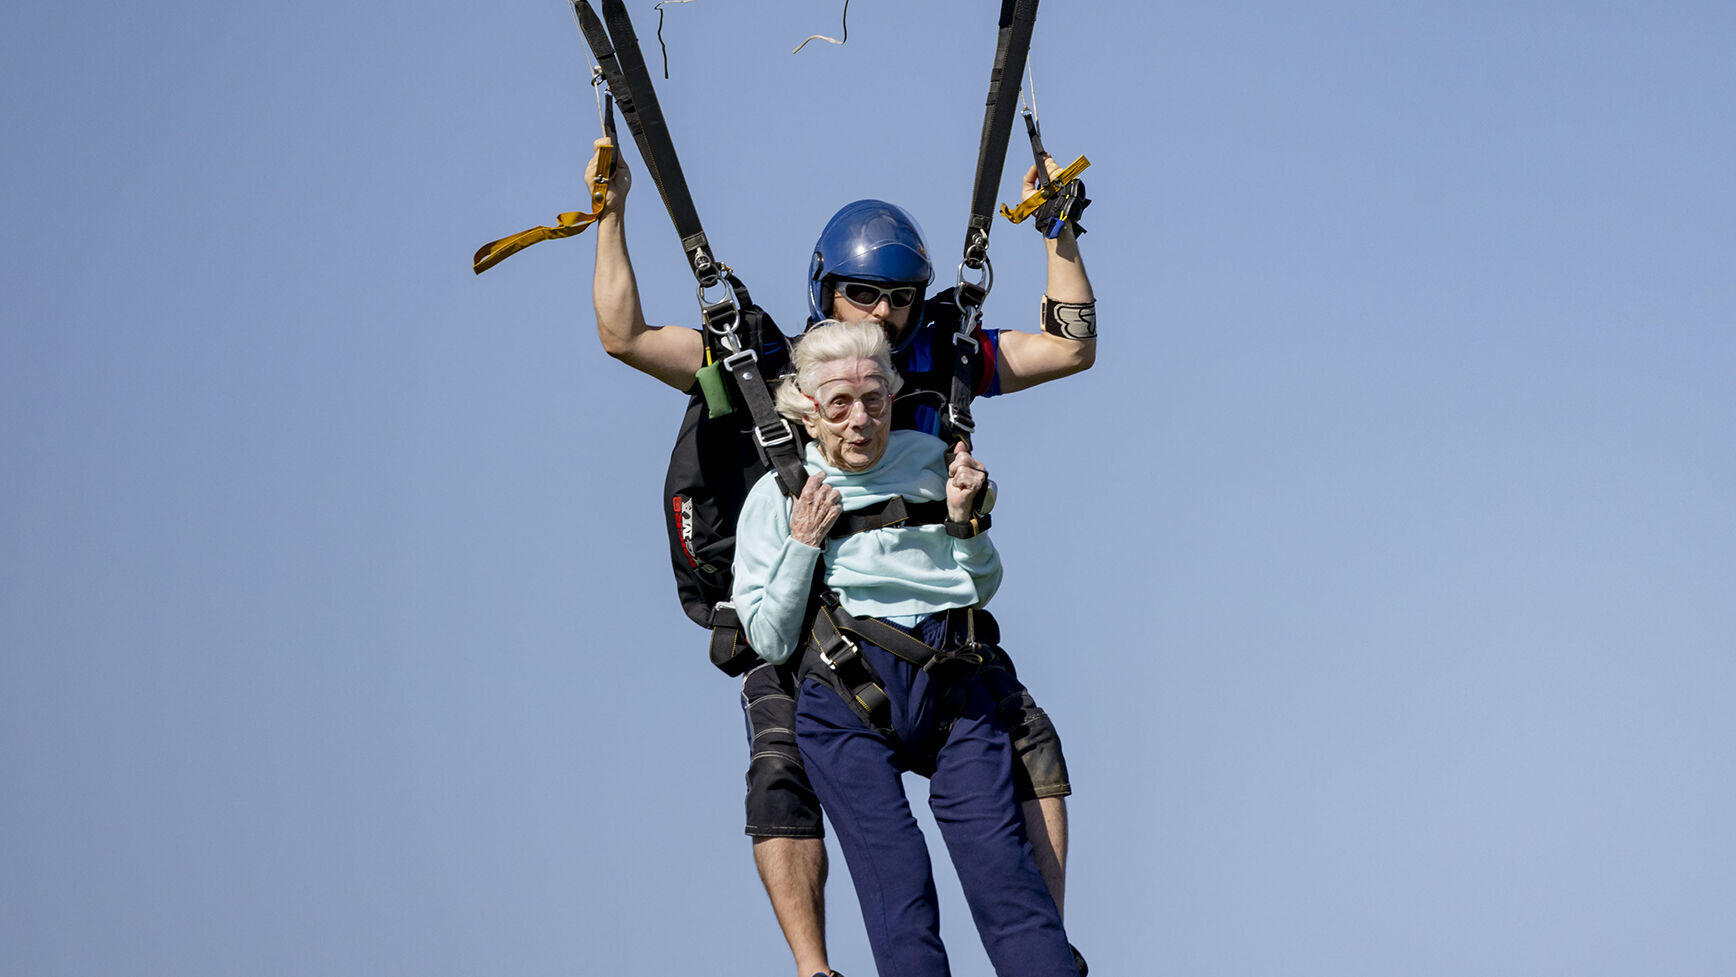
(965, 477)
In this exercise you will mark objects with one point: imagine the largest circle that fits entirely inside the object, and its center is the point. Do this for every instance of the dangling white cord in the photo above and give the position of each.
(829, 40)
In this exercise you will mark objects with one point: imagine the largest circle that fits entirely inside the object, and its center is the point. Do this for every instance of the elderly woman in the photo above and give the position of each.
(892, 687)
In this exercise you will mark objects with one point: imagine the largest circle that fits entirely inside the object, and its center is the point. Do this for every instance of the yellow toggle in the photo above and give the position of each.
(566, 225)
(1018, 214)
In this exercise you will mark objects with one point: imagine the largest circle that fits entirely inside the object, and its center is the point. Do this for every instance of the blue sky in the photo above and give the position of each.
(1380, 576)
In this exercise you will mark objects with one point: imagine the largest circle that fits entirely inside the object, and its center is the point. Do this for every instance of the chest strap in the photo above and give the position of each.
(896, 511)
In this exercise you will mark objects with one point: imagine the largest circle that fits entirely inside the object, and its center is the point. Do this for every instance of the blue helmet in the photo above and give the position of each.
(869, 240)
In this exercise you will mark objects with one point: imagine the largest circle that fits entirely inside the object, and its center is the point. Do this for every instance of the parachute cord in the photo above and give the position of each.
(597, 90)
(829, 40)
(1029, 96)
(596, 69)
(665, 47)
(597, 82)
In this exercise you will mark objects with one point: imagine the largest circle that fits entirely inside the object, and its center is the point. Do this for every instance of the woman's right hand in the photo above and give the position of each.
(814, 512)
(965, 477)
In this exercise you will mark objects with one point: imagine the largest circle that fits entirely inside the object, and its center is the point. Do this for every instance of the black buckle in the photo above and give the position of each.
(871, 699)
(850, 653)
(735, 361)
(959, 419)
(774, 435)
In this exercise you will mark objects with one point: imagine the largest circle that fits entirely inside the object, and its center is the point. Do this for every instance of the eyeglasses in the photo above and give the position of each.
(864, 295)
(841, 408)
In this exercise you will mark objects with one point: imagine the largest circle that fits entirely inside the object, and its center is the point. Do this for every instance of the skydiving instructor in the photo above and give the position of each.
(870, 263)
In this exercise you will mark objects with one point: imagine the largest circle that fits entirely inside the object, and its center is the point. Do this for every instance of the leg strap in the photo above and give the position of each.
(729, 649)
(833, 652)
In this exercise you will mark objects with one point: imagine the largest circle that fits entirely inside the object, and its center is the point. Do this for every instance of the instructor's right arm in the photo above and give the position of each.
(672, 354)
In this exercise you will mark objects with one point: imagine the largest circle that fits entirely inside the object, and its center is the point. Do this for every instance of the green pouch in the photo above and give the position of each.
(716, 392)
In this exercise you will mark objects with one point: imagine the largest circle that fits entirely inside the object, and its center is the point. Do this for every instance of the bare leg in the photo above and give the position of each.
(794, 873)
(1046, 823)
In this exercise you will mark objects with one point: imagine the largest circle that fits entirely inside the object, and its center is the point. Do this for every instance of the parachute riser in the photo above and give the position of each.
(616, 48)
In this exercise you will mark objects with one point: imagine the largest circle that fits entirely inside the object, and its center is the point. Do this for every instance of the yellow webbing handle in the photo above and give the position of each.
(566, 225)
(1024, 210)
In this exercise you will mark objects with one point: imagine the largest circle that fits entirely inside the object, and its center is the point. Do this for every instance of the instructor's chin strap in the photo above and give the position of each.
(567, 224)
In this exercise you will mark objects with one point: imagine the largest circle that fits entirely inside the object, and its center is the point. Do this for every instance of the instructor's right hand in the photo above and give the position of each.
(619, 183)
(814, 512)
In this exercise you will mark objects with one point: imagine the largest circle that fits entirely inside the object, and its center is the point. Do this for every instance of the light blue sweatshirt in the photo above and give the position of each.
(904, 573)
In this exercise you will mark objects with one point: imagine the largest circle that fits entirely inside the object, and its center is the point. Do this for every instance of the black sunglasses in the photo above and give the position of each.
(864, 295)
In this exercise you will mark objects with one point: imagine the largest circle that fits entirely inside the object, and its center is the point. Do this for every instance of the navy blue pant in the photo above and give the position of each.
(949, 728)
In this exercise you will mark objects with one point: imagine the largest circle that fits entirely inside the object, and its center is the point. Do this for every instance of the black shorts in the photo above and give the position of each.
(781, 802)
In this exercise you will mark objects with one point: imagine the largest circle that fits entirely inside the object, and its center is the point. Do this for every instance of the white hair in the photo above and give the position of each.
(829, 342)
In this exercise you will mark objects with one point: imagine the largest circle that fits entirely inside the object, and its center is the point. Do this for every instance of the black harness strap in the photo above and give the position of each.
(729, 648)
(896, 511)
(833, 654)
(1012, 46)
(1018, 19)
(774, 435)
(960, 347)
(830, 650)
(729, 340)
(616, 49)
(845, 668)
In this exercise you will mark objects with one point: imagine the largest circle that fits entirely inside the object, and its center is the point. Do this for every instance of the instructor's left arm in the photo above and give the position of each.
(1068, 342)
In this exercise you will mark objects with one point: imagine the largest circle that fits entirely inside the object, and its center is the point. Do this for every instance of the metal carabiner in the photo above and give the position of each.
(722, 318)
(985, 283)
(723, 280)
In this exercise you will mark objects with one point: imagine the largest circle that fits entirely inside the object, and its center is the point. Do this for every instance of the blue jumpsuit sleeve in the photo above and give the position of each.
(774, 573)
(989, 385)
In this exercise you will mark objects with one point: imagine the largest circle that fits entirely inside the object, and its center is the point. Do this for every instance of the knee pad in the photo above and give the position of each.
(780, 802)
